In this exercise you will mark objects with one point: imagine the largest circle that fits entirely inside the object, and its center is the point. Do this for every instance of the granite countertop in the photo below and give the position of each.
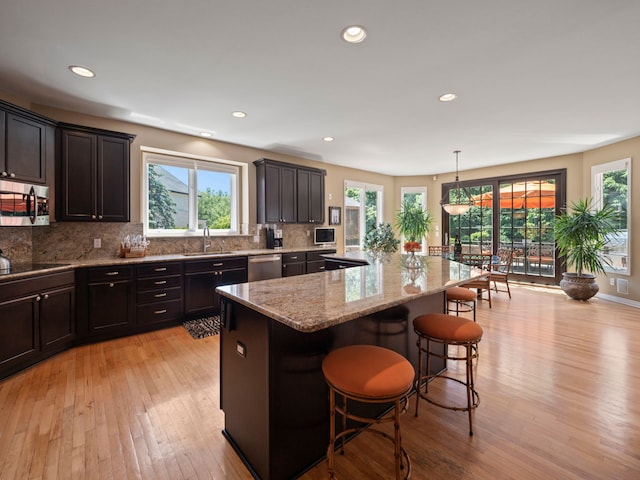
(22, 270)
(316, 301)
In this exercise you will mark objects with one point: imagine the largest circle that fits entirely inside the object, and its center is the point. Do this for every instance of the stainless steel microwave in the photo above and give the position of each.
(23, 205)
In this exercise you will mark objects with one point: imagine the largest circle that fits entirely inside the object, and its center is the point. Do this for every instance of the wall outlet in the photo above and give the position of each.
(612, 281)
(97, 243)
(308, 233)
(256, 238)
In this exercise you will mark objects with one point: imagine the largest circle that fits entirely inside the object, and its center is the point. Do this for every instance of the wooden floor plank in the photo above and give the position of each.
(558, 380)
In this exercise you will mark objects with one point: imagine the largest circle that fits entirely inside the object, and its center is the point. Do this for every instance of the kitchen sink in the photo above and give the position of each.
(209, 254)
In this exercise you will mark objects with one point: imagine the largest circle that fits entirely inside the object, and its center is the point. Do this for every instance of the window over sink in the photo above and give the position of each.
(182, 194)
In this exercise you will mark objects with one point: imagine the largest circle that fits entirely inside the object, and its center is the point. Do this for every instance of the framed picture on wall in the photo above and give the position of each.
(334, 215)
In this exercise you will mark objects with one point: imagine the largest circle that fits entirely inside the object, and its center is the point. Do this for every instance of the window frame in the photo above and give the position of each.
(238, 193)
(414, 190)
(362, 218)
(597, 175)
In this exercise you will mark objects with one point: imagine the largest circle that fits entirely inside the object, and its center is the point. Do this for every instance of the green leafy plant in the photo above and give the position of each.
(581, 235)
(413, 221)
(381, 239)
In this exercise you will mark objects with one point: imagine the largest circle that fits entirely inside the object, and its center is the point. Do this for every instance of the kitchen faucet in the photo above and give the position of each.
(205, 236)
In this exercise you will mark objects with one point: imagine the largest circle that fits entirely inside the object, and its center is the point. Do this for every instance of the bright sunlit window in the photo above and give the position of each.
(182, 195)
(611, 184)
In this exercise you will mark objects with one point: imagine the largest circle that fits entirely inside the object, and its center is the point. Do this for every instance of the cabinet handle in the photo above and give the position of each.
(160, 282)
(99, 217)
(294, 258)
(218, 264)
(111, 274)
(160, 312)
(160, 269)
(111, 285)
(4, 174)
(321, 268)
(12, 175)
(93, 217)
(38, 298)
(45, 296)
(160, 295)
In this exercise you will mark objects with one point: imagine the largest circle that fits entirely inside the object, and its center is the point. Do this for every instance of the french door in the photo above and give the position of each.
(518, 213)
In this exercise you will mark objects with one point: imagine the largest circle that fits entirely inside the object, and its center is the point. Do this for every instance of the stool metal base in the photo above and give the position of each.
(473, 398)
(401, 456)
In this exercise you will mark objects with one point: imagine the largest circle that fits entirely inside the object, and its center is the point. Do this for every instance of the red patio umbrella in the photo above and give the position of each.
(532, 194)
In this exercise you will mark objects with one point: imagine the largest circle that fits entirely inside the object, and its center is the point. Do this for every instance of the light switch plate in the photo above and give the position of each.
(97, 243)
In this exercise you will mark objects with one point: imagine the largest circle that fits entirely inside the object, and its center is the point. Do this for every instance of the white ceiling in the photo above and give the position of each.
(533, 78)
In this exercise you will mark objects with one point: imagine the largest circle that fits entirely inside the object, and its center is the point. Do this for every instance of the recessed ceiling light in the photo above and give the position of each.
(82, 71)
(328, 139)
(354, 34)
(239, 114)
(448, 97)
(206, 134)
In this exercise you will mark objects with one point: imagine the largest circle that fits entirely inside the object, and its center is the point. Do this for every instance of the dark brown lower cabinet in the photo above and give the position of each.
(159, 294)
(36, 319)
(202, 277)
(106, 302)
(294, 264)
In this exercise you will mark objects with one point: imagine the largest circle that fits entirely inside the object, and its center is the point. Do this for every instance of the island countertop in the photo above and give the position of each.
(313, 302)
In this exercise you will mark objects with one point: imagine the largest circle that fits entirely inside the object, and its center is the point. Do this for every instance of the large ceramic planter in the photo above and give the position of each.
(581, 287)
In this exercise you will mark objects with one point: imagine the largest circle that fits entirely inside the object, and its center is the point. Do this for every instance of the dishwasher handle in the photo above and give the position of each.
(265, 258)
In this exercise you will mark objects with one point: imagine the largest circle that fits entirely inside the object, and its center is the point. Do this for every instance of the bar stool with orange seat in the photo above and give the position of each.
(447, 330)
(464, 300)
(367, 374)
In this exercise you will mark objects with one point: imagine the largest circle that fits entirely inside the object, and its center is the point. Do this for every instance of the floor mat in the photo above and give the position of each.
(203, 327)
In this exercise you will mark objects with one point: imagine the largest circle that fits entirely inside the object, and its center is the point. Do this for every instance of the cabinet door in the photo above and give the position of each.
(19, 335)
(228, 277)
(288, 197)
(304, 206)
(272, 186)
(113, 179)
(25, 149)
(316, 197)
(310, 196)
(110, 306)
(198, 293)
(315, 266)
(3, 166)
(78, 176)
(57, 318)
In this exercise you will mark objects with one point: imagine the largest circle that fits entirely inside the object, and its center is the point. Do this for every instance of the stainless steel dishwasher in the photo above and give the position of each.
(264, 267)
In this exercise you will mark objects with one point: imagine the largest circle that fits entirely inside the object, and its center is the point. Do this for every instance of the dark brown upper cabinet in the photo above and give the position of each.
(310, 196)
(288, 193)
(94, 174)
(26, 145)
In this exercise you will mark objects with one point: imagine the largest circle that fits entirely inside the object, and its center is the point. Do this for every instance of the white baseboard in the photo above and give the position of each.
(613, 298)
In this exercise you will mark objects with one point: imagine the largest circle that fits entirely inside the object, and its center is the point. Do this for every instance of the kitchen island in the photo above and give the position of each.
(277, 332)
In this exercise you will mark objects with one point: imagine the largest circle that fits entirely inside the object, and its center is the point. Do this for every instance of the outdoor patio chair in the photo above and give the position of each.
(500, 270)
(482, 284)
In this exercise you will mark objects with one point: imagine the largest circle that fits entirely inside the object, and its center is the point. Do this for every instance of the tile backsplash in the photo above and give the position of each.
(75, 241)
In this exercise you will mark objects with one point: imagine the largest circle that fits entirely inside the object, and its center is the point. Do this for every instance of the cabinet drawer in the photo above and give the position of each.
(163, 295)
(159, 269)
(110, 274)
(215, 264)
(294, 257)
(318, 255)
(159, 283)
(35, 284)
(159, 312)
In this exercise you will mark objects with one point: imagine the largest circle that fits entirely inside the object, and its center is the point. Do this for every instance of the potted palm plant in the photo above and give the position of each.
(414, 223)
(581, 234)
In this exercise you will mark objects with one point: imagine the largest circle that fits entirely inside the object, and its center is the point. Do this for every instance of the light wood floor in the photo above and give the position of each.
(559, 382)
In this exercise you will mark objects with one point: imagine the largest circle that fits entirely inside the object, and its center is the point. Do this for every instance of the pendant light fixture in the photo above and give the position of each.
(461, 204)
